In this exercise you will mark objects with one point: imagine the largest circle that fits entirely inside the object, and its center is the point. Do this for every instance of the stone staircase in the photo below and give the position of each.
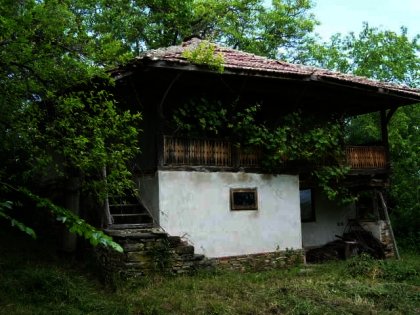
(148, 251)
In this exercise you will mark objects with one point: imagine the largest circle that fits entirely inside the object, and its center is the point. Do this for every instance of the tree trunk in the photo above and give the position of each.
(72, 203)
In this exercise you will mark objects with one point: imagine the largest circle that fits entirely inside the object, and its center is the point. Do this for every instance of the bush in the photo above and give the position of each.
(366, 266)
(398, 271)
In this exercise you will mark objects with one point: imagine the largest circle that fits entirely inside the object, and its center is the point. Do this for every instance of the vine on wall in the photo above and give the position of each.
(316, 143)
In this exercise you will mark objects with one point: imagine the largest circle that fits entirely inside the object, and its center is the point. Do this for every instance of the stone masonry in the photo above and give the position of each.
(150, 251)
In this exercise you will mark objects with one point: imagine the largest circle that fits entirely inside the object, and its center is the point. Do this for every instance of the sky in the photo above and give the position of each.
(343, 16)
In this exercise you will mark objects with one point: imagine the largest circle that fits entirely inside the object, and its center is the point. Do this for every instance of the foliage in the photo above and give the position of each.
(243, 24)
(314, 142)
(32, 282)
(204, 54)
(366, 266)
(404, 137)
(251, 26)
(74, 223)
(83, 132)
(7, 206)
(373, 53)
(392, 57)
(49, 131)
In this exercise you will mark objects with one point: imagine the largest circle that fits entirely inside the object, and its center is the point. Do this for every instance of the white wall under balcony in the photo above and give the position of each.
(330, 220)
(196, 205)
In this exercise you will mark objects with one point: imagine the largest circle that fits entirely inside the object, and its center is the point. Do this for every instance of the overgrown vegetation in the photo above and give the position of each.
(317, 143)
(49, 47)
(205, 54)
(391, 57)
(34, 281)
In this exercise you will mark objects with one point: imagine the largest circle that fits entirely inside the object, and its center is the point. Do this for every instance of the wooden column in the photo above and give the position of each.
(72, 203)
(384, 133)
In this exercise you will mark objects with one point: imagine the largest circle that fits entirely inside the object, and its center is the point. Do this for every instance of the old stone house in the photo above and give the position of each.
(218, 198)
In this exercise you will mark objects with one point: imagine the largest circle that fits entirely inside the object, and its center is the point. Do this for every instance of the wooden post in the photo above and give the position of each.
(108, 217)
(388, 221)
(72, 203)
(384, 132)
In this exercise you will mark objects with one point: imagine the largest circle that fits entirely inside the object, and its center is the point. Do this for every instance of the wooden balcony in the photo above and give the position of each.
(366, 157)
(204, 152)
(222, 153)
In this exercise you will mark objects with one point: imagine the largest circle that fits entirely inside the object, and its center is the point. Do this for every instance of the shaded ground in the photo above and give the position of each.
(33, 280)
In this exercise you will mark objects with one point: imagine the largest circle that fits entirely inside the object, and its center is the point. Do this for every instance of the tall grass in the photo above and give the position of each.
(33, 280)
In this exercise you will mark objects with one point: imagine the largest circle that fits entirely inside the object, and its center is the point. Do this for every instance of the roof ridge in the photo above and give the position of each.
(237, 60)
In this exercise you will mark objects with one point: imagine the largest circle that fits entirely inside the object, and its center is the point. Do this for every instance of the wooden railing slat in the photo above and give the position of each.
(210, 152)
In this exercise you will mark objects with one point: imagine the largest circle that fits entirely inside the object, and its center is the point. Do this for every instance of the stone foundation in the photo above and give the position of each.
(153, 251)
(260, 262)
(147, 252)
(385, 238)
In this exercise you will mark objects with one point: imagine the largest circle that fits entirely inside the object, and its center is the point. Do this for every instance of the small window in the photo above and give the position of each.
(307, 209)
(243, 199)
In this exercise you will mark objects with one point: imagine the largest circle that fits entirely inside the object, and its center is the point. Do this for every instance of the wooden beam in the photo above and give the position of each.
(388, 221)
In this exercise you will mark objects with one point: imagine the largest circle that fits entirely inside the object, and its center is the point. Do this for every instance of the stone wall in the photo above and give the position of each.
(259, 262)
(147, 252)
(386, 239)
(153, 251)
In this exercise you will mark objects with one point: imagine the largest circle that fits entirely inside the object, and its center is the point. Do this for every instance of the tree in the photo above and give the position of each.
(57, 118)
(248, 25)
(390, 57)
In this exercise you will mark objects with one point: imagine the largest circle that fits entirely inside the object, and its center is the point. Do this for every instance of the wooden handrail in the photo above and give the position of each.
(366, 157)
(179, 151)
(207, 152)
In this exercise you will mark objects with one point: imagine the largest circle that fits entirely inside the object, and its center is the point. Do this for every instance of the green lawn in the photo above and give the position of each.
(34, 281)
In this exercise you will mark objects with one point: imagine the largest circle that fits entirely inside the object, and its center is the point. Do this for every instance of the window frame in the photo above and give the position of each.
(235, 207)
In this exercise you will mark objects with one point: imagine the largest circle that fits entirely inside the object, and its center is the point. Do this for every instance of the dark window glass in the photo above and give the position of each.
(243, 199)
(307, 209)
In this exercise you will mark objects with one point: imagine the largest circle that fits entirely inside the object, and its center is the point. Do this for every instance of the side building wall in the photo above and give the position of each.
(196, 206)
(330, 220)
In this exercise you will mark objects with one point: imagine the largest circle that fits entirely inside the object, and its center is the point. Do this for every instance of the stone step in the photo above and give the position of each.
(132, 218)
(130, 215)
(142, 226)
(184, 249)
(126, 208)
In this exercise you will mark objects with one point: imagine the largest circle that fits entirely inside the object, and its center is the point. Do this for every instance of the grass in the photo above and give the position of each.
(35, 281)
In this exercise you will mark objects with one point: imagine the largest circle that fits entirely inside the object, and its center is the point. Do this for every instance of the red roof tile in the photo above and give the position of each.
(236, 60)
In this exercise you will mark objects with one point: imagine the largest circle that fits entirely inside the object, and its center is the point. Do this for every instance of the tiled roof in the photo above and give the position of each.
(240, 61)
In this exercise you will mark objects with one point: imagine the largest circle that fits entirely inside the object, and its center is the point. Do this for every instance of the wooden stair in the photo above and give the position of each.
(128, 212)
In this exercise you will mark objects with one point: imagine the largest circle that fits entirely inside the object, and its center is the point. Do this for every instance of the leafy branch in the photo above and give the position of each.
(8, 205)
(73, 222)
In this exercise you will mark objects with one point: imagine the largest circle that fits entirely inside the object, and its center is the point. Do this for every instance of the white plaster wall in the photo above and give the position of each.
(330, 220)
(196, 205)
(149, 193)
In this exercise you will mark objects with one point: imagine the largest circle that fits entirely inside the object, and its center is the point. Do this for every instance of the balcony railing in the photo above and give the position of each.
(366, 157)
(194, 152)
(222, 153)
